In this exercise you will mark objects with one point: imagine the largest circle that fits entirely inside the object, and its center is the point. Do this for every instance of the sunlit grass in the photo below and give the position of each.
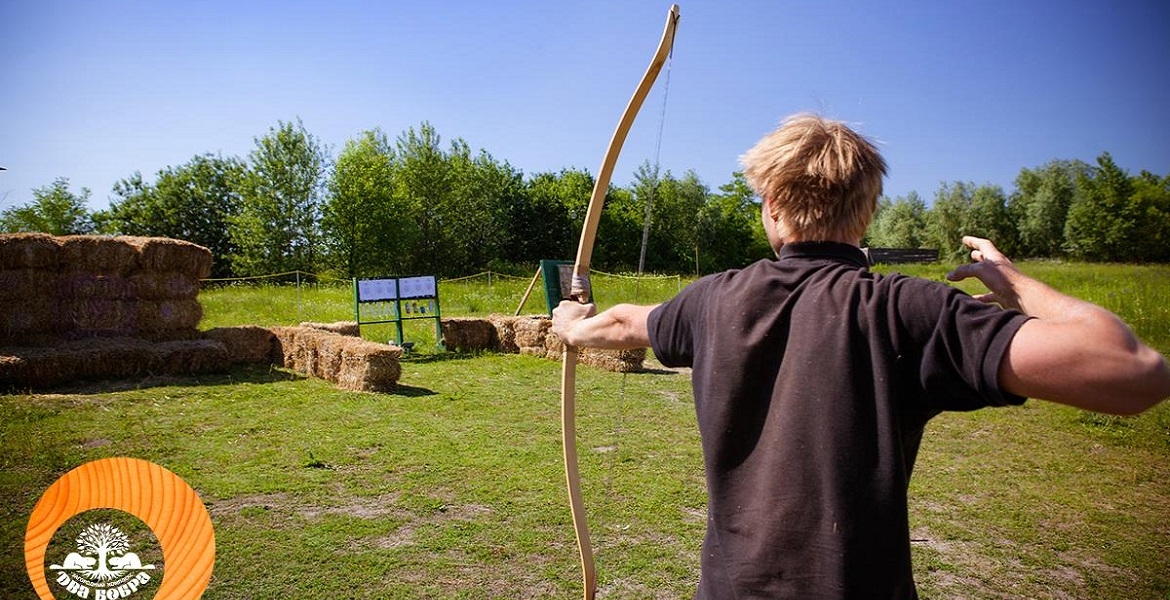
(452, 486)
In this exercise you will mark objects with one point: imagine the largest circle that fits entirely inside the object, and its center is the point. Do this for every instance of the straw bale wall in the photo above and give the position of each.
(349, 328)
(76, 287)
(349, 362)
(107, 358)
(98, 307)
(470, 335)
(247, 344)
(532, 336)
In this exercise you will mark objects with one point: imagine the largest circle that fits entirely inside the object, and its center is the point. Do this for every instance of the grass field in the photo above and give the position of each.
(452, 486)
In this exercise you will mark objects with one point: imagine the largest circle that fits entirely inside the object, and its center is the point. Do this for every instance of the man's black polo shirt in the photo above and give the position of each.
(813, 379)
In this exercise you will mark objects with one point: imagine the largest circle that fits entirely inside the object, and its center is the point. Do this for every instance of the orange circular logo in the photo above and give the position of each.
(161, 499)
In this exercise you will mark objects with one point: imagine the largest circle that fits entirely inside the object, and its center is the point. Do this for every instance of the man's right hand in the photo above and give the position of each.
(991, 267)
(566, 315)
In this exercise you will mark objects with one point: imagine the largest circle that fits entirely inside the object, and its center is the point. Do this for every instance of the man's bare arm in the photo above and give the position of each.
(1073, 352)
(622, 327)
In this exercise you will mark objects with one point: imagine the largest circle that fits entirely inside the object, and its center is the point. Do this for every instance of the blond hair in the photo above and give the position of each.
(822, 179)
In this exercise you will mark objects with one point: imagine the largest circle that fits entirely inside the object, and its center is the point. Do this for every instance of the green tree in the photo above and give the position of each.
(54, 210)
(1101, 223)
(988, 217)
(484, 189)
(1150, 207)
(947, 219)
(619, 233)
(368, 231)
(1039, 206)
(730, 232)
(544, 222)
(277, 227)
(899, 224)
(194, 202)
(677, 224)
(425, 185)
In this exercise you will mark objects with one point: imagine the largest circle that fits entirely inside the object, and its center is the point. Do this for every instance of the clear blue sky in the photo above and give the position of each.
(955, 90)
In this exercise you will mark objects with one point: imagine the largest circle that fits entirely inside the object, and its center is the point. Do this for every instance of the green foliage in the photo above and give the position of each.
(674, 208)
(1150, 207)
(966, 209)
(1101, 222)
(367, 229)
(194, 202)
(277, 226)
(417, 205)
(899, 224)
(947, 219)
(545, 221)
(1040, 204)
(730, 232)
(54, 210)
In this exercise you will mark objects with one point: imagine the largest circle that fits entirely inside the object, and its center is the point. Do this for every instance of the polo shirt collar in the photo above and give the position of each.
(836, 251)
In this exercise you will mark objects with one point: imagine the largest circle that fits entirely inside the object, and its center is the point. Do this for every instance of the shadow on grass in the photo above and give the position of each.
(432, 357)
(409, 391)
(255, 374)
(259, 374)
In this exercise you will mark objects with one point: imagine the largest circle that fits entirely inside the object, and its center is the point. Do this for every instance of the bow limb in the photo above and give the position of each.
(582, 294)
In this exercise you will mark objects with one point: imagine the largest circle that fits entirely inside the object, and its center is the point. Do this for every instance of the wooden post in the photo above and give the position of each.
(528, 291)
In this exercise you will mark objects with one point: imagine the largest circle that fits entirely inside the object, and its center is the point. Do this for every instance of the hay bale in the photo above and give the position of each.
(246, 344)
(554, 348)
(159, 316)
(469, 334)
(350, 362)
(89, 317)
(168, 255)
(26, 285)
(35, 367)
(187, 357)
(618, 361)
(107, 358)
(28, 251)
(531, 333)
(349, 328)
(13, 371)
(86, 285)
(284, 350)
(29, 317)
(330, 347)
(97, 254)
(165, 285)
(368, 366)
(304, 351)
(505, 326)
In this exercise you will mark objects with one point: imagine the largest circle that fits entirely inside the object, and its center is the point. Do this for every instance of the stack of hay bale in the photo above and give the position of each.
(90, 306)
(76, 287)
(347, 360)
(532, 336)
(81, 307)
(330, 351)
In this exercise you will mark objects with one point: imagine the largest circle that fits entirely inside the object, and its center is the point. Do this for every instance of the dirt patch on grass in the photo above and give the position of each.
(233, 506)
(949, 568)
(362, 508)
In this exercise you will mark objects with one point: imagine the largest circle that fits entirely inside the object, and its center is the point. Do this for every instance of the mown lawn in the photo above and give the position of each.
(452, 486)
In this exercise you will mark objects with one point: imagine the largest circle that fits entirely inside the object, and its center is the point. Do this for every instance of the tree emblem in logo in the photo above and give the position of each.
(145, 508)
(102, 563)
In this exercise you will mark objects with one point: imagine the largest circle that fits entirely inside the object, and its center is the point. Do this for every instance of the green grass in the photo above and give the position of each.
(452, 487)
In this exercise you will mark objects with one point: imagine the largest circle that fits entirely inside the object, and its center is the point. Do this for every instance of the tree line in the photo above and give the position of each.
(413, 205)
(1063, 209)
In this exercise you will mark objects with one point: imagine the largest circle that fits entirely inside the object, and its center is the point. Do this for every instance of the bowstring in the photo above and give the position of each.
(619, 428)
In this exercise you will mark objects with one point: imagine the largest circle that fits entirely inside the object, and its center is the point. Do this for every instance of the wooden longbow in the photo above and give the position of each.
(581, 293)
